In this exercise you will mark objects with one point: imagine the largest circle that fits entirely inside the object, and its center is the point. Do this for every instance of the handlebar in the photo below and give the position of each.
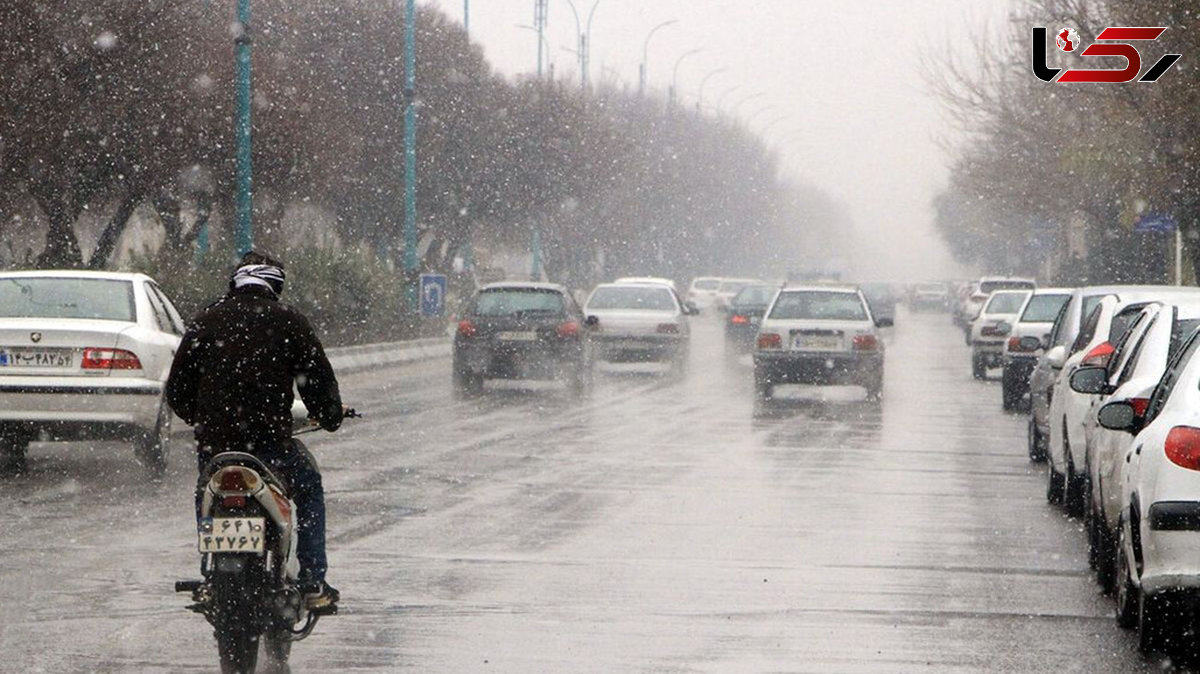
(313, 426)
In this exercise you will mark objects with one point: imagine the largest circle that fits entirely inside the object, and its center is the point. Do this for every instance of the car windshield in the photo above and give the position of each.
(1005, 303)
(706, 284)
(1005, 284)
(819, 305)
(1121, 322)
(514, 301)
(754, 296)
(732, 286)
(1043, 308)
(646, 298)
(105, 299)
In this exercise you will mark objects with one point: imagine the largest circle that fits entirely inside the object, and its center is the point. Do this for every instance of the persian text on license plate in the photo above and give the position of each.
(518, 336)
(232, 534)
(35, 358)
(818, 342)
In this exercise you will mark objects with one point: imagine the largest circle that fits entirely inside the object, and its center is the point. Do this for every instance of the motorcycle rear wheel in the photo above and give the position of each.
(236, 625)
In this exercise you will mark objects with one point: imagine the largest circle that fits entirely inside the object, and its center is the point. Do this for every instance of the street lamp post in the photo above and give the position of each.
(244, 234)
(746, 99)
(410, 154)
(675, 73)
(646, 54)
(725, 94)
(542, 46)
(584, 35)
(467, 18)
(704, 81)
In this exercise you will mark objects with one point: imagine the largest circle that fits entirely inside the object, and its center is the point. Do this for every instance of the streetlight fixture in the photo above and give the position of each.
(725, 94)
(746, 99)
(675, 72)
(704, 81)
(646, 54)
(585, 37)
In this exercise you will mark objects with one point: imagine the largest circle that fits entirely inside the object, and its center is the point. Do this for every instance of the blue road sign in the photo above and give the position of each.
(1154, 222)
(433, 294)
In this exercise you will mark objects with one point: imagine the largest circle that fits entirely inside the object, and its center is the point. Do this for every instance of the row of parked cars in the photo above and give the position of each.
(1111, 379)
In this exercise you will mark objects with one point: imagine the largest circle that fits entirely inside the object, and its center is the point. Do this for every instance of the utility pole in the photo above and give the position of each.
(244, 234)
(410, 155)
(539, 24)
(467, 18)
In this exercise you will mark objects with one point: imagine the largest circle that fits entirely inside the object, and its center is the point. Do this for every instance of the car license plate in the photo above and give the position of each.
(818, 342)
(517, 336)
(232, 534)
(36, 357)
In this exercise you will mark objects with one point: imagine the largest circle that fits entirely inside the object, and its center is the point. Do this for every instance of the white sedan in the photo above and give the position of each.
(640, 322)
(1158, 527)
(84, 355)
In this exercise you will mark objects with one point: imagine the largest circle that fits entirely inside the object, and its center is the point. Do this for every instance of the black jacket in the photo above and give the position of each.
(232, 377)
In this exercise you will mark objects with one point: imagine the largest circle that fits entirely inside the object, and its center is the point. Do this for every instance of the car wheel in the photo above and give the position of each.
(874, 388)
(12, 454)
(1074, 486)
(1126, 591)
(1054, 484)
(1106, 564)
(978, 367)
(467, 385)
(152, 447)
(1010, 391)
(580, 380)
(1037, 444)
(1157, 622)
(763, 388)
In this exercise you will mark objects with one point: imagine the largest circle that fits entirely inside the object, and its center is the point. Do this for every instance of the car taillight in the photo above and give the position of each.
(110, 359)
(668, 329)
(466, 328)
(865, 343)
(1015, 346)
(995, 330)
(1139, 405)
(738, 319)
(770, 340)
(1098, 357)
(1183, 447)
(568, 330)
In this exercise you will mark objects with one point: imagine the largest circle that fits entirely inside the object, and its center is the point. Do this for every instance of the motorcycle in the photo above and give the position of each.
(247, 536)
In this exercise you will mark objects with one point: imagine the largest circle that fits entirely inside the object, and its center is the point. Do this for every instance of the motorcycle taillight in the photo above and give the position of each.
(235, 479)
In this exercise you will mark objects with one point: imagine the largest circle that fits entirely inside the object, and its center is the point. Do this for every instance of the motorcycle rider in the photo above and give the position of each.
(232, 379)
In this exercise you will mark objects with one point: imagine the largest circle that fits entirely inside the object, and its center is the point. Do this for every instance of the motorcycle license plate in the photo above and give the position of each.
(232, 534)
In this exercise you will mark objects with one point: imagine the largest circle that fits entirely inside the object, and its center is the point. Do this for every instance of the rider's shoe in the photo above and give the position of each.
(319, 595)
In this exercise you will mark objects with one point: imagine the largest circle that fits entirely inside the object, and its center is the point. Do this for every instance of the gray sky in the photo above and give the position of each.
(835, 85)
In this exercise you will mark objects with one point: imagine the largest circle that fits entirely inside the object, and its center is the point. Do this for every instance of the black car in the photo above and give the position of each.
(522, 331)
(745, 313)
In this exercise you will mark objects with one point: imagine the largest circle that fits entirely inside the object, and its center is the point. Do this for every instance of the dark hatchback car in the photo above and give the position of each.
(745, 313)
(522, 331)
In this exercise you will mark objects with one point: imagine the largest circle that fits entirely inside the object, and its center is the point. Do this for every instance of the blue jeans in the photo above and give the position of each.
(296, 465)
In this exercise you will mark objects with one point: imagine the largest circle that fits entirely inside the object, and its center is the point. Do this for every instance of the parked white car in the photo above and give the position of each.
(1135, 368)
(729, 289)
(85, 355)
(640, 322)
(1094, 345)
(703, 291)
(1030, 333)
(991, 328)
(819, 335)
(1158, 524)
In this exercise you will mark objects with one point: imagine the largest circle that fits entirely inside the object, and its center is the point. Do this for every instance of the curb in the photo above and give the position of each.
(350, 359)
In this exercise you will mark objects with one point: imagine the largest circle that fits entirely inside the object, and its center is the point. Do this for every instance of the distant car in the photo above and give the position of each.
(744, 315)
(1029, 333)
(703, 291)
(819, 335)
(978, 293)
(730, 287)
(1158, 521)
(930, 296)
(85, 355)
(640, 322)
(990, 329)
(881, 298)
(514, 330)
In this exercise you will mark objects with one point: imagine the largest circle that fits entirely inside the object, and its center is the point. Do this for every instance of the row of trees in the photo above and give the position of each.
(110, 109)
(1059, 173)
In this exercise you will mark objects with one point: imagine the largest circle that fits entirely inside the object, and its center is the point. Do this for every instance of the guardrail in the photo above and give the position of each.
(349, 359)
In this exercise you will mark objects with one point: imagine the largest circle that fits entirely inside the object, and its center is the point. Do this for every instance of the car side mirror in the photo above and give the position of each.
(1031, 344)
(1046, 341)
(1091, 380)
(1057, 357)
(690, 308)
(1120, 416)
(592, 321)
(885, 322)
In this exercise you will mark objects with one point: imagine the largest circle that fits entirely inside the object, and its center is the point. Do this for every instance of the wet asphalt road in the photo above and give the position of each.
(658, 527)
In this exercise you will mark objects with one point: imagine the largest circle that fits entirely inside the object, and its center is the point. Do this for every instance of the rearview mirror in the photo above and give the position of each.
(885, 322)
(1090, 380)
(592, 321)
(1057, 357)
(690, 308)
(1119, 416)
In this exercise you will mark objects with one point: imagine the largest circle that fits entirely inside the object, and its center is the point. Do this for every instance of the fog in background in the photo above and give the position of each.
(836, 87)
